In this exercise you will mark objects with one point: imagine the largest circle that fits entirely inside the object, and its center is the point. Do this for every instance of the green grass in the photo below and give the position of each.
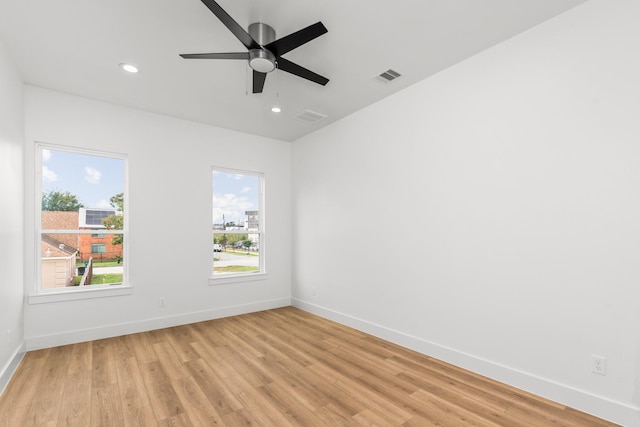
(100, 264)
(102, 279)
(236, 269)
(237, 252)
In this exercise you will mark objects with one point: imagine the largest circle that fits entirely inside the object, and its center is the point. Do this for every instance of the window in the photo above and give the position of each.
(98, 248)
(93, 217)
(238, 223)
(82, 197)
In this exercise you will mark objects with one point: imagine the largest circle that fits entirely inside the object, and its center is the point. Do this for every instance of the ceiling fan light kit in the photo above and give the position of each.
(129, 68)
(264, 52)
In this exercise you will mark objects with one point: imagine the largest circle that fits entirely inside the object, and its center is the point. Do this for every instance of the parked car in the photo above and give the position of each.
(217, 247)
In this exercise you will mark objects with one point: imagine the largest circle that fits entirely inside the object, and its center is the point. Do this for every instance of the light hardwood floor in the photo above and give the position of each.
(282, 367)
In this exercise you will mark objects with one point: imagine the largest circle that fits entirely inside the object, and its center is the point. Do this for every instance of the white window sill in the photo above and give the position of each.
(78, 294)
(224, 279)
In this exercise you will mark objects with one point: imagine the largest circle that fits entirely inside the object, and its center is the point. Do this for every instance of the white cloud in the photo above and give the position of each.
(92, 175)
(245, 190)
(48, 174)
(46, 155)
(102, 204)
(231, 206)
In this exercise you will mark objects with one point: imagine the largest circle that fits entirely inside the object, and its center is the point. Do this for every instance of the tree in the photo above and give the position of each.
(233, 239)
(115, 222)
(247, 244)
(223, 241)
(117, 201)
(58, 201)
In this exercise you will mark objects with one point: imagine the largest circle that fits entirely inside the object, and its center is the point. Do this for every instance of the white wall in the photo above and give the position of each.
(490, 215)
(169, 209)
(11, 216)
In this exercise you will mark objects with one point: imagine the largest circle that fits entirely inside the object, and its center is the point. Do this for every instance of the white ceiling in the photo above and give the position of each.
(75, 46)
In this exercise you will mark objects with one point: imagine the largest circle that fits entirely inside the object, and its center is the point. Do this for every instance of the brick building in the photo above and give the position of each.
(91, 244)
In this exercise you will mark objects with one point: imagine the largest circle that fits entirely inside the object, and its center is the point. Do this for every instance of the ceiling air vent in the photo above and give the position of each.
(388, 76)
(310, 116)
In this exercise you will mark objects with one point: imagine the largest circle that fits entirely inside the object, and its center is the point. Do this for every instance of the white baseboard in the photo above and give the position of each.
(599, 406)
(10, 367)
(108, 331)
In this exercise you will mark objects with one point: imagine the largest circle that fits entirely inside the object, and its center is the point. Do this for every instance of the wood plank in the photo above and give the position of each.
(255, 401)
(394, 414)
(170, 360)
(81, 358)
(45, 406)
(163, 398)
(180, 338)
(195, 402)
(74, 410)
(213, 386)
(103, 364)
(281, 367)
(179, 420)
(21, 389)
(136, 405)
(106, 407)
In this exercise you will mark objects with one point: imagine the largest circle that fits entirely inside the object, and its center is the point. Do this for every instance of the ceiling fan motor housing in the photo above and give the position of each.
(262, 60)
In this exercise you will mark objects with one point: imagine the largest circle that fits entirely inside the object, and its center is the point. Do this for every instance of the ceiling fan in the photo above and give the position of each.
(264, 52)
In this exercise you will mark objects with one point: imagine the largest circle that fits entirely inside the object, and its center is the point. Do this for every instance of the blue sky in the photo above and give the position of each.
(93, 179)
(233, 194)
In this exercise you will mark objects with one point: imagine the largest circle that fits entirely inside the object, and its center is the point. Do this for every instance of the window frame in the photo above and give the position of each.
(261, 274)
(42, 295)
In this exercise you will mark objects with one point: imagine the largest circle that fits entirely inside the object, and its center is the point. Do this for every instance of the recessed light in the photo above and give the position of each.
(276, 109)
(129, 68)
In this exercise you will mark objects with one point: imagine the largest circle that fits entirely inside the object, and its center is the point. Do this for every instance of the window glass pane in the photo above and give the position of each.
(98, 248)
(64, 261)
(236, 222)
(240, 255)
(82, 197)
(80, 190)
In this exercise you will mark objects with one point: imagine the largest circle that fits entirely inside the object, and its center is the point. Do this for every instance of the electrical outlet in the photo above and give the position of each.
(162, 302)
(598, 365)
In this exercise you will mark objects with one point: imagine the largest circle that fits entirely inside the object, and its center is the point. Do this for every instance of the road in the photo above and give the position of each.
(107, 270)
(227, 258)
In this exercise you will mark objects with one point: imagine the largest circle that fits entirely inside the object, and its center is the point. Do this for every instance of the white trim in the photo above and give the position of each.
(214, 280)
(40, 295)
(75, 293)
(609, 409)
(83, 231)
(11, 366)
(114, 330)
(236, 278)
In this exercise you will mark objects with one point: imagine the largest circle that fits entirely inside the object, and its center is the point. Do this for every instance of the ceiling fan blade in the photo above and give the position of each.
(228, 55)
(293, 68)
(258, 81)
(293, 40)
(232, 25)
